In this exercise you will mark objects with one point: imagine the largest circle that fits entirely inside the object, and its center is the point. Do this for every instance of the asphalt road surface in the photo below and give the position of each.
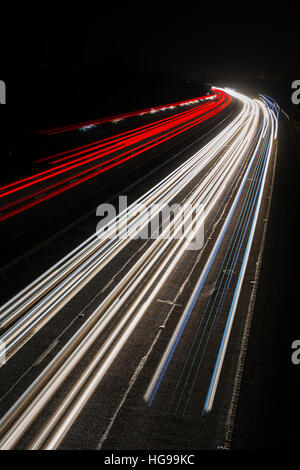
(117, 341)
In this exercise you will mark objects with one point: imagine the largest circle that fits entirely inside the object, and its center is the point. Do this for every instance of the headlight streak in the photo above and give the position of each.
(37, 310)
(84, 396)
(270, 121)
(223, 280)
(183, 169)
(168, 354)
(44, 297)
(69, 418)
(70, 285)
(222, 351)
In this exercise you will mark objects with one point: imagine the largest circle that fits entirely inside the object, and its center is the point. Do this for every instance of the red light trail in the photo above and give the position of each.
(135, 142)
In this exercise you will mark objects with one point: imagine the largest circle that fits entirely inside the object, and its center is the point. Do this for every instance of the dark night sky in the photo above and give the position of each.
(187, 37)
(62, 61)
(190, 38)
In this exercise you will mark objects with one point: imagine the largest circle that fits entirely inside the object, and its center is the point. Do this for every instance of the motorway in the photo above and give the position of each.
(130, 342)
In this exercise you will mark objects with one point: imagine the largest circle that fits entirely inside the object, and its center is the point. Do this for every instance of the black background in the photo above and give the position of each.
(63, 63)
